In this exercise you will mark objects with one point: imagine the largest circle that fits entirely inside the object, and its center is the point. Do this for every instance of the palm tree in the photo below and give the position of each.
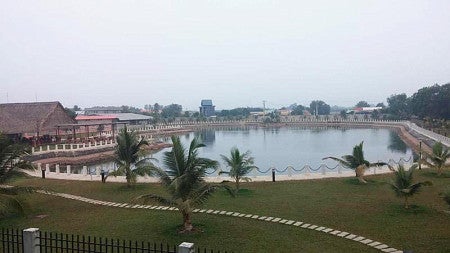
(11, 164)
(357, 162)
(438, 159)
(183, 179)
(403, 184)
(240, 165)
(128, 157)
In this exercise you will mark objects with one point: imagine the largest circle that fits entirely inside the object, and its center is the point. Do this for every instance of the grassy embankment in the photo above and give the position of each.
(369, 210)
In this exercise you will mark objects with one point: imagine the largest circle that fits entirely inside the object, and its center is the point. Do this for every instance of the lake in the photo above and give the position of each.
(296, 146)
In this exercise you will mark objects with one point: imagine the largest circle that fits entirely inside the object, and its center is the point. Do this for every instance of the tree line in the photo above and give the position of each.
(428, 102)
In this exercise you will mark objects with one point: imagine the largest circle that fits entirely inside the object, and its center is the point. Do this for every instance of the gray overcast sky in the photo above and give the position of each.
(235, 52)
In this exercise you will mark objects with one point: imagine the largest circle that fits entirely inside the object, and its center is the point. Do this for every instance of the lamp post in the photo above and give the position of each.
(420, 155)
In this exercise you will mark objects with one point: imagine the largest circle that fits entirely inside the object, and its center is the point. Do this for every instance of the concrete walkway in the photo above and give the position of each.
(345, 235)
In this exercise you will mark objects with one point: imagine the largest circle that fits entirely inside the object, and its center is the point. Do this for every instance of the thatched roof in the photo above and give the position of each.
(42, 117)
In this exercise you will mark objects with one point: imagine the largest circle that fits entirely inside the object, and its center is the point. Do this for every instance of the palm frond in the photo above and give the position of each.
(10, 205)
(339, 160)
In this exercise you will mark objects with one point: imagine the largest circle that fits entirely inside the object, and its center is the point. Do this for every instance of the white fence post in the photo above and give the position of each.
(31, 240)
(57, 168)
(68, 170)
(84, 171)
(186, 247)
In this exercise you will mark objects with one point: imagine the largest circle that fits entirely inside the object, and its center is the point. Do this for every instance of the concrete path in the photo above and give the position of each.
(345, 235)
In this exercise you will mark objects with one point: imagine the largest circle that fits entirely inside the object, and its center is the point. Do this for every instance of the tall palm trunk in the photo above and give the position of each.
(187, 220)
(360, 173)
(237, 184)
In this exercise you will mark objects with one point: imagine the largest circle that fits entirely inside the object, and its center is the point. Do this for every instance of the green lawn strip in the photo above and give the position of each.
(369, 210)
(219, 232)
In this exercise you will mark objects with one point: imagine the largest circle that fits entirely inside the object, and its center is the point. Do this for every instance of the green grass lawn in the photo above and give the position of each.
(370, 210)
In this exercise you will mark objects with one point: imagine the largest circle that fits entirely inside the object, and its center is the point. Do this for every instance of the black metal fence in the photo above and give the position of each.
(57, 242)
(13, 241)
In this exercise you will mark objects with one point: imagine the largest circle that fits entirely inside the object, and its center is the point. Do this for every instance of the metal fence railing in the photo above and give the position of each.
(12, 240)
(33, 240)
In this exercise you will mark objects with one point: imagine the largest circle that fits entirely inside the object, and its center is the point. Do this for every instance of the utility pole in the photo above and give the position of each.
(264, 107)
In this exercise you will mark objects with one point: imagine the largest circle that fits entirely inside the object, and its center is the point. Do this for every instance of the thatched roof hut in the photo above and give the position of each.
(32, 119)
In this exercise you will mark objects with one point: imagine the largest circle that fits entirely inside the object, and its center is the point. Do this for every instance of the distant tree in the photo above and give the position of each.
(381, 105)
(70, 112)
(357, 162)
(403, 183)
(187, 114)
(376, 114)
(240, 165)
(272, 117)
(343, 114)
(243, 112)
(76, 108)
(298, 110)
(319, 107)
(157, 107)
(433, 102)
(399, 105)
(362, 104)
(130, 109)
(172, 111)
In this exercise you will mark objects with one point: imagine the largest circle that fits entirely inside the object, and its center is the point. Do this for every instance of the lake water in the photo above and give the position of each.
(296, 146)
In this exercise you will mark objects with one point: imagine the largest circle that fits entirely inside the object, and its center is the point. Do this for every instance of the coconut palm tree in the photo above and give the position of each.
(438, 158)
(11, 164)
(357, 162)
(403, 184)
(240, 165)
(129, 156)
(183, 177)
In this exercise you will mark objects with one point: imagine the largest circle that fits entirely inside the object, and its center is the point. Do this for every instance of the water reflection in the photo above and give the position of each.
(396, 144)
(206, 136)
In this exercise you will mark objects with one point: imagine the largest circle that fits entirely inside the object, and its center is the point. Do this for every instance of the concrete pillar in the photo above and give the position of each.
(84, 170)
(64, 146)
(97, 171)
(32, 150)
(68, 170)
(186, 247)
(57, 168)
(47, 168)
(39, 165)
(48, 147)
(31, 240)
(40, 148)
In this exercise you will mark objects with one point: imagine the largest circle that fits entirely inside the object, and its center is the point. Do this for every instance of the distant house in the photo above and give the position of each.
(363, 110)
(37, 120)
(108, 120)
(133, 118)
(207, 108)
(99, 110)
